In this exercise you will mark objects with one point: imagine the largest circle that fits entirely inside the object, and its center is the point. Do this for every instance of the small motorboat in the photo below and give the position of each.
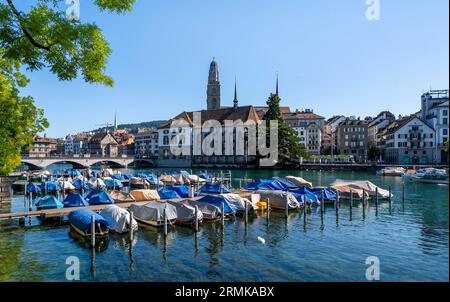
(431, 175)
(239, 202)
(209, 212)
(279, 199)
(152, 213)
(98, 197)
(119, 219)
(363, 185)
(80, 221)
(48, 202)
(74, 200)
(228, 207)
(144, 195)
(186, 213)
(392, 171)
(121, 197)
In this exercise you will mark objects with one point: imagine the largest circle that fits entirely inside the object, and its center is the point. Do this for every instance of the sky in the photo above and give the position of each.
(329, 58)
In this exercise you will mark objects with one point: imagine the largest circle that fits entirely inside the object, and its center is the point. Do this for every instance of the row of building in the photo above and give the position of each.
(415, 139)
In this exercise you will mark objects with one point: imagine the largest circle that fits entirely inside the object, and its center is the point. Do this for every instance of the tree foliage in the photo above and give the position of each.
(289, 147)
(20, 120)
(43, 37)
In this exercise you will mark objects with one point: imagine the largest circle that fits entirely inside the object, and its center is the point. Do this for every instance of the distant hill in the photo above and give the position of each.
(133, 128)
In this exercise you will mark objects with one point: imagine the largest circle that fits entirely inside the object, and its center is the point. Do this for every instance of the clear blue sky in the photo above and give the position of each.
(329, 58)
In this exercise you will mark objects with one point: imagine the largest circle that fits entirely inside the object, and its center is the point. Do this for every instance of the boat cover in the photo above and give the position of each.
(204, 176)
(97, 197)
(239, 202)
(152, 179)
(66, 185)
(279, 199)
(265, 184)
(81, 219)
(217, 201)
(186, 212)
(115, 176)
(97, 183)
(48, 202)
(214, 188)
(182, 191)
(51, 186)
(154, 211)
(118, 219)
(145, 195)
(33, 188)
(80, 184)
(328, 194)
(366, 185)
(121, 197)
(111, 183)
(209, 211)
(195, 178)
(167, 178)
(75, 200)
(298, 181)
(168, 194)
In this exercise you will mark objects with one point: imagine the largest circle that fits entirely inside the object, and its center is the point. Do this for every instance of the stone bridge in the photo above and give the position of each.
(38, 163)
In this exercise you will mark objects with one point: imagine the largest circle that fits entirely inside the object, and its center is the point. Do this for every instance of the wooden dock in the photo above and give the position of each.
(55, 213)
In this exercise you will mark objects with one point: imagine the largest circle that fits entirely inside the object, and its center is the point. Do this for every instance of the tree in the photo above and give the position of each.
(20, 120)
(289, 147)
(43, 37)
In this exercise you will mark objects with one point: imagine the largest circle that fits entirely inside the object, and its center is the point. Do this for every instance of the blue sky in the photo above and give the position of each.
(328, 55)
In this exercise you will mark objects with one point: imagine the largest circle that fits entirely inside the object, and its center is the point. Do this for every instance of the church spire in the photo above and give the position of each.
(235, 101)
(213, 91)
(277, 86)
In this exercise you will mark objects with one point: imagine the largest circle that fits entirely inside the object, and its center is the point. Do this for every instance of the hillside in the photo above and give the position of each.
(133, 128)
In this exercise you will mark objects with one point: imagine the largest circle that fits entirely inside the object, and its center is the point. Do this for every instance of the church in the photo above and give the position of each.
(214, 111)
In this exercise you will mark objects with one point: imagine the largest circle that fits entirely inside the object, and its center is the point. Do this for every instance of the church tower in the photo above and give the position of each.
(213, 91)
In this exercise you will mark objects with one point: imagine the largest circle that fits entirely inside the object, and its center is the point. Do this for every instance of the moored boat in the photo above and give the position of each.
(119, 219)
(152, 213)
(80, 221)
(392, 171)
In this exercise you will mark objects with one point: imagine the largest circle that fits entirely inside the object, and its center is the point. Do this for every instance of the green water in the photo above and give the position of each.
(410, 239)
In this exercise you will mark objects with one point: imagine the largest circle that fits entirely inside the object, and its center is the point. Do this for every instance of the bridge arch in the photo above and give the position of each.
(75, 164)
(142, 161)
(31, 166)
(113, 163)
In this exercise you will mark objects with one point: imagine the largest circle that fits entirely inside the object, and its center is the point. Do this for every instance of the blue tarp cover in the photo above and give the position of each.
(214, 189)
(75, 200)
(111, 183)
(329, 195)
(183, 191)
(51, 186)
(33, 188)
(115, 176)
(204, 176)
(286, 183)
(217, 201)
(48, 202)
(81, 219)
(98, 197)
(168, 194)
(265, 184)
(80, 184)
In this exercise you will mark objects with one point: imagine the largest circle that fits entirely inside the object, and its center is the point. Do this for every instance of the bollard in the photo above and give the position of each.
(222, 209)
(165, 220)
(196, 218)
(246, 212)
(93, 231)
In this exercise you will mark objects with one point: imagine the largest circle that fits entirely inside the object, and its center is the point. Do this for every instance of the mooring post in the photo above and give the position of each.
(322, 203)
(390, 199)
(403, 189)
(351, 200)
(338, 199)
(30, 201)
(268, 208)
(240, 183)
(165, 220)
(131, 224)
(246, 212)
(45, 187)
(222, 208)
(93, 230)
(196, 218)
(364, 199)
(286, 209)
(376, 197)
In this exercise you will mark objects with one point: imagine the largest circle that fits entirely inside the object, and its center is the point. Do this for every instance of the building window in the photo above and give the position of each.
(445, 112)
(444, 131)
(445, 121)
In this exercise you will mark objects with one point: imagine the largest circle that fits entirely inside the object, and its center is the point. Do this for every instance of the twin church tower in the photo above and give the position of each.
(213, 91)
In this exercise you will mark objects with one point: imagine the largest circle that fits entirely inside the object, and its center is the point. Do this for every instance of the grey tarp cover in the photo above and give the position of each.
(186, 212)
(368, 186)
(154, 211)
(279, 199)
(239, 202)
(118, 219)
(209, 211)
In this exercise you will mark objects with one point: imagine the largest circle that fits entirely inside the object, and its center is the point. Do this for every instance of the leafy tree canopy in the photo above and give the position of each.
(289, 147)
(43, 37)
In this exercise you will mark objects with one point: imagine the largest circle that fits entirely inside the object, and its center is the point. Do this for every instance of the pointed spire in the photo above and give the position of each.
(277, 86)
(235, 101)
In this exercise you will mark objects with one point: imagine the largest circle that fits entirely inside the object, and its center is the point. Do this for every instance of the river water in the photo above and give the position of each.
(410, 239)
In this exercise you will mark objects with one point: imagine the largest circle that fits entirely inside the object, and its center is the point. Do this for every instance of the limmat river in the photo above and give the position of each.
(410, 239)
